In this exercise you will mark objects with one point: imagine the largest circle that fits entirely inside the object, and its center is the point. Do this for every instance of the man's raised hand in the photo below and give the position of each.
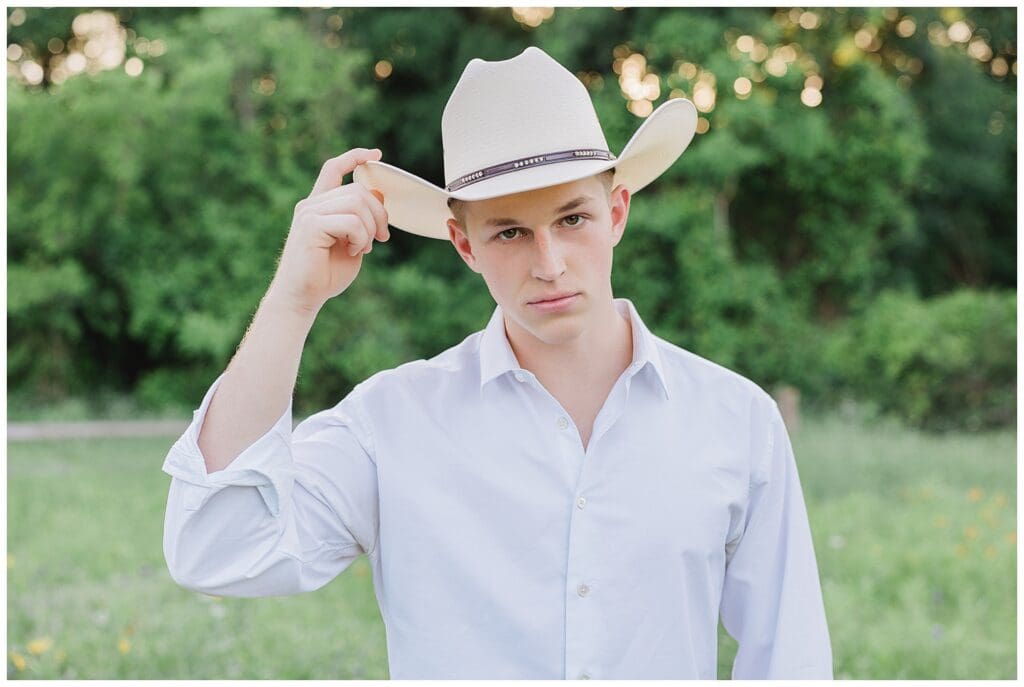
(331, 230)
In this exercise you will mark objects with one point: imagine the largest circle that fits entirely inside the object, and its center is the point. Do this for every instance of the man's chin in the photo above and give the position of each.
(553, 330)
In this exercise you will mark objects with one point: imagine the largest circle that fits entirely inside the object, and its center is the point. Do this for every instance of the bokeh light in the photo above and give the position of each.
(809, 21)
(638, 85)
(704, 93)
(133, 66)
(775, 66)
(906, 27)
(532, 16)
(979, 50)
(811, 97)
(937, 34)
(742, 86)
(641, 108)
(688, 70)
(959, 32)
(382, 69)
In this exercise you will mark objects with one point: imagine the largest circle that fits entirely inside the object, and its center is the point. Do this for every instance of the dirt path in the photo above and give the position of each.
(32, 431)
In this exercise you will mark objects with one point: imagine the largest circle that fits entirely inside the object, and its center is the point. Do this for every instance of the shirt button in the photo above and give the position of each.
(563, 423)
(520, 377)
(582, 590)
(581, 502)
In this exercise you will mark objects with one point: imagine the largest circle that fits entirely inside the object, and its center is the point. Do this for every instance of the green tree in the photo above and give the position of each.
(843, 153)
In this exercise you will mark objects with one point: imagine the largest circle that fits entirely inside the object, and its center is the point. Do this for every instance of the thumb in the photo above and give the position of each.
(336, 168)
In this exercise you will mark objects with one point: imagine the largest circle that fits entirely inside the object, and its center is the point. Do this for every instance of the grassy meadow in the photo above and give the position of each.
(915, 537)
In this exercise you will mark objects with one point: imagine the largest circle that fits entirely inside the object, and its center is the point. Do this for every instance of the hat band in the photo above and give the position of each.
(536, 161)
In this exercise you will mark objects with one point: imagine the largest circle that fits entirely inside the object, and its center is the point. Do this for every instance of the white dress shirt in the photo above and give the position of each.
(500, 547)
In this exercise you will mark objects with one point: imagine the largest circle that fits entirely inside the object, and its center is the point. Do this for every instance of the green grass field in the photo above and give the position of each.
(915, 537)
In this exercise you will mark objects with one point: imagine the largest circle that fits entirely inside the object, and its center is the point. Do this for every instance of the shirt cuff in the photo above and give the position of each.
(264, 464)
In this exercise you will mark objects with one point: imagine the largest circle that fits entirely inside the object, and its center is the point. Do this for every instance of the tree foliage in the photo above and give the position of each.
(845, 154)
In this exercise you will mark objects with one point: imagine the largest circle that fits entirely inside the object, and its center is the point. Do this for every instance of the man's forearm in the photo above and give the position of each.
(258, 384)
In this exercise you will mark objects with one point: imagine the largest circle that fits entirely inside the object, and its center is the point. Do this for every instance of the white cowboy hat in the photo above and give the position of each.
(520, 124)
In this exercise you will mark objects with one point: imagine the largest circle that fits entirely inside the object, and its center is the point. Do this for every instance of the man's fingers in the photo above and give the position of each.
(335, 169)
(369, 227)
(346, 228)
(356, 201)
(381, 215)
(350, 198)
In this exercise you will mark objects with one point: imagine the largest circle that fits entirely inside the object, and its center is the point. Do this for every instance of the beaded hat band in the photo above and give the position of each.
(546, 159)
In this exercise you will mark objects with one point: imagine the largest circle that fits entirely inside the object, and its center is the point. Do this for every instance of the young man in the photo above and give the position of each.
(561, 495)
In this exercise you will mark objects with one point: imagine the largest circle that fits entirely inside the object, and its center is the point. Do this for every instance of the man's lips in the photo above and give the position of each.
(552, 298)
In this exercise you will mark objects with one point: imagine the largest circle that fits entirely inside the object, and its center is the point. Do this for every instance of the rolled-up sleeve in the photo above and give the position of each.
(287, 515)
(771, 599)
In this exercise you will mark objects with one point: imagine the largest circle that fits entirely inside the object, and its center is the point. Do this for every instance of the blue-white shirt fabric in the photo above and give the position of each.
(499, 546)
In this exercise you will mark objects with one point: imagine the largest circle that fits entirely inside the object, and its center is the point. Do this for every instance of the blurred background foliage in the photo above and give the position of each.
(844, 222)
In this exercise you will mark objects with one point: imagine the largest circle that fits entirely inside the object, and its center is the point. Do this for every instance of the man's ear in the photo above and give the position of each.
(460, 239)
(620, 212)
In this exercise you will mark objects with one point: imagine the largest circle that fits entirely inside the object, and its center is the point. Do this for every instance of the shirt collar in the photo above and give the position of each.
(497, 357)
(645, 345)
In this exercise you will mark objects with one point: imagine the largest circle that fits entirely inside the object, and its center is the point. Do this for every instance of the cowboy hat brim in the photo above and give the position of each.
(419, 207)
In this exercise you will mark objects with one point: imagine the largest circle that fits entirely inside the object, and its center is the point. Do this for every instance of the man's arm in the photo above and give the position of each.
(258, 383)
(254, 508)
(771, 599)
(331, 231)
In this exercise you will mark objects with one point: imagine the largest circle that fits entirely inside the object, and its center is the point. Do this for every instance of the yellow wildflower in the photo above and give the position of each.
(39, 646)
(1012, 537)
(975, 494)
(1000, 499)
(123, 645)
(18, 660)
(961, 551)
(10, 560)
(941, 521)
(990, 551)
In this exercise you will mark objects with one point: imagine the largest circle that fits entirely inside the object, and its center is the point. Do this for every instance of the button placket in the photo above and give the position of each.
(581, 613)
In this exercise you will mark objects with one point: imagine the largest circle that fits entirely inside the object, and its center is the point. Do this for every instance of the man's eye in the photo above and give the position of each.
(508, 234)
(578, 220)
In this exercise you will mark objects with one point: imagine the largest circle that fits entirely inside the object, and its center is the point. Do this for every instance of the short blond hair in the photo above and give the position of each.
(458, 207)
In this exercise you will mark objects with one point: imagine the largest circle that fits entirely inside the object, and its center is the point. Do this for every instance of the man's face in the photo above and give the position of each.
(546, 255)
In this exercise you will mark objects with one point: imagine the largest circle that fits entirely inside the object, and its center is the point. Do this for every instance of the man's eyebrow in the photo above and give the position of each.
(573, 204)
(501, 222)
(508, 221)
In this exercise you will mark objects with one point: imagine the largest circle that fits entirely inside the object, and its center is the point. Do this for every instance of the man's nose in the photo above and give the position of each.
(548, 263)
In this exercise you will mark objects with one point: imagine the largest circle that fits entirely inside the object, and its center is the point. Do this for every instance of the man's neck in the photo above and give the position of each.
(593, 360)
